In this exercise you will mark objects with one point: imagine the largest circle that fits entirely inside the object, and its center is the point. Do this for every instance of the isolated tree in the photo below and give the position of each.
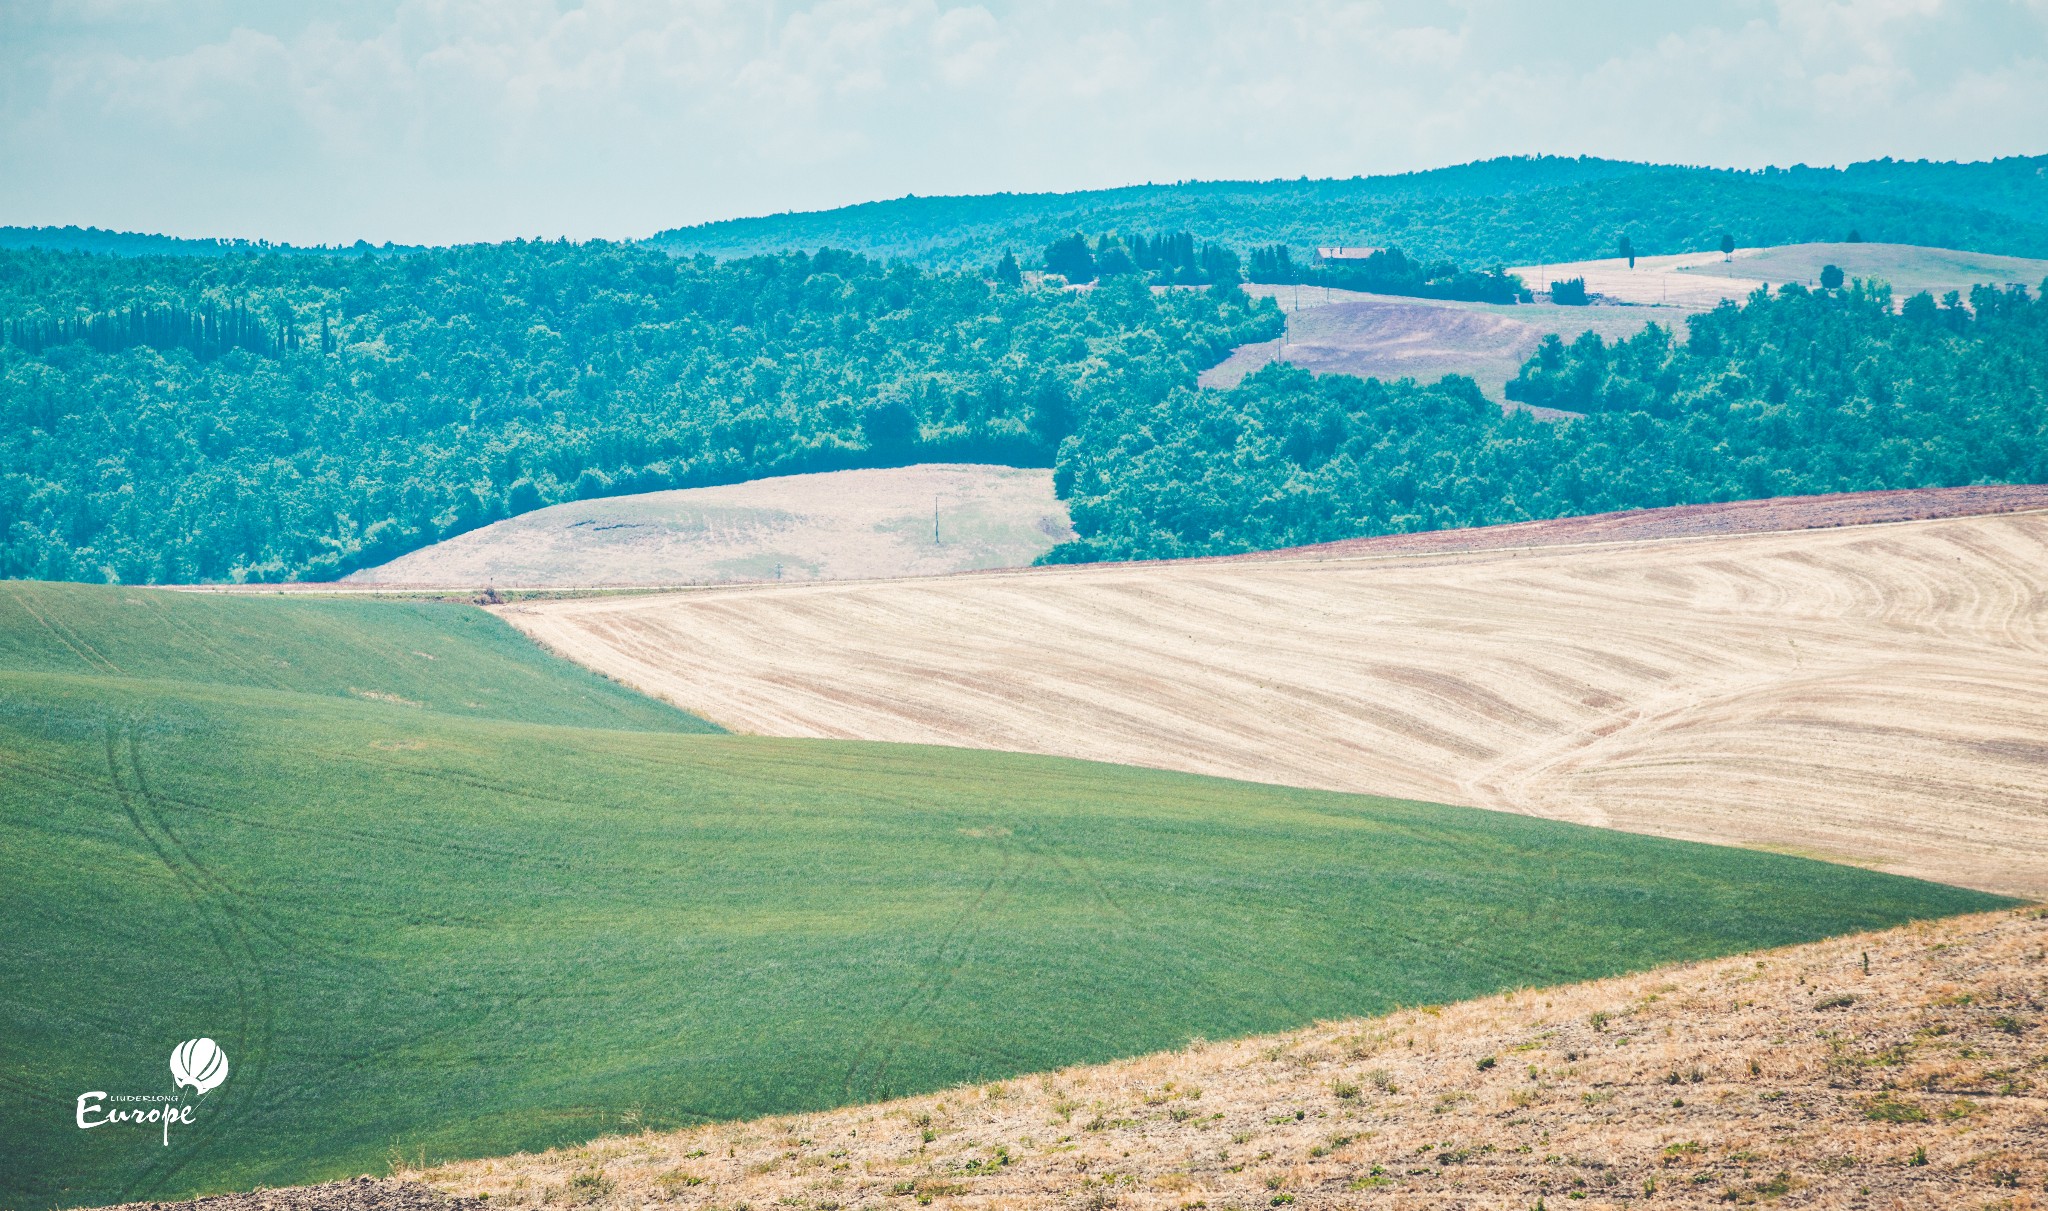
(1071, 259)
(1628, 249)
(1727, 244)
(1570, 293)
(1007, 271)
(1855, 236)
(1831, 277)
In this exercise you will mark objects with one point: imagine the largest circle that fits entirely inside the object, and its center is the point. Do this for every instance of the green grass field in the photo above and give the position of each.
(534, 908)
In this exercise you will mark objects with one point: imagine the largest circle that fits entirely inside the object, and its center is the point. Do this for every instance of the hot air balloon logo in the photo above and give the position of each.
(199, 1063)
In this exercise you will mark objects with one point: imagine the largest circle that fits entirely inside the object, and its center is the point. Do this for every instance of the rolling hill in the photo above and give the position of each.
(1695, 281)
(921, 520)
(1508, 210)
(1868, 693)
(1382, 336)
(1388, 337)
(436, 896)
(1899, 1069)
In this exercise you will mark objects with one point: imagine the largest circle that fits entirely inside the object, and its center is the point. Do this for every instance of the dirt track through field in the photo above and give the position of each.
(1874, 694)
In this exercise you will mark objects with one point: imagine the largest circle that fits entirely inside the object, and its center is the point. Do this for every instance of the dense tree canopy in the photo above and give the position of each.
(264, 417)
(269, 417)
(1166, 259)
(1389, 271)
(1797, 392)
(1518, 210)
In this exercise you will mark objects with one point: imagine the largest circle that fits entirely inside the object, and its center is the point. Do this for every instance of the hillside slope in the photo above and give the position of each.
(921, 520)
(358, 845)
(442, 659)
(1700, 280)
(1901, 1069)
(1388, 337)
(1868, 693)
(1529, 208)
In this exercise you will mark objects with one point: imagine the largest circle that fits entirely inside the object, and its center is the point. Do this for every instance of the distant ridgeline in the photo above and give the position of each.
(161, 418)
(130, 243)
(1797, 392)
(1516, 210)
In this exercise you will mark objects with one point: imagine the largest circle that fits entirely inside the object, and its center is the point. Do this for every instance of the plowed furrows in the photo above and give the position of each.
(1869, 692)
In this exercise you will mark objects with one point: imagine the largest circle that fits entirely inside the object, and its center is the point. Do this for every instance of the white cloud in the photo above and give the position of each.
(466, 119)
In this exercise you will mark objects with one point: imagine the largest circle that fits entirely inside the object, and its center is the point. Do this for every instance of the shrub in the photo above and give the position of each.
(1884, 1108)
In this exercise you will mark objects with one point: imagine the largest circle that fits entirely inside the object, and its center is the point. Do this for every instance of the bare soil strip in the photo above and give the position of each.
(1903, 1069)
(1870, 694)
(1773, 514)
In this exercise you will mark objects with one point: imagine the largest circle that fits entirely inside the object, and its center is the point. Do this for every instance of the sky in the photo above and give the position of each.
(442, 121)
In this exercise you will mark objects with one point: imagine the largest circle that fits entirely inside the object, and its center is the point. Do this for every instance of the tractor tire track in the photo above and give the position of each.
(215, 903)
(940, 972)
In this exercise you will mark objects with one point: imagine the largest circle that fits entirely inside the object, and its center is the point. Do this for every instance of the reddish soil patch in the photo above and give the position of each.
(1778, 513)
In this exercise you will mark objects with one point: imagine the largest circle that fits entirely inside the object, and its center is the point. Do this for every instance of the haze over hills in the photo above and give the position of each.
(1517, 208)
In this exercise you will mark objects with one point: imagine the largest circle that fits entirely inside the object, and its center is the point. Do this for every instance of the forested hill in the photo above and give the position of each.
(290, 417)
(1794, 393)
(1507, 211)
(130, 243)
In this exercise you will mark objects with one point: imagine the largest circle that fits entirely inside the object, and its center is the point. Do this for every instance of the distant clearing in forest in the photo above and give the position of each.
(1700, 280)
(1390, 337)
(834, 525)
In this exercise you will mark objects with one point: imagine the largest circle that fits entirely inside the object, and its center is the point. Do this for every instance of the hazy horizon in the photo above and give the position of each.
(455, 121)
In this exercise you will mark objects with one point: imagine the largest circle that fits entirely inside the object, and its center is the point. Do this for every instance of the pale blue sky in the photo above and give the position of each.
(447, 120)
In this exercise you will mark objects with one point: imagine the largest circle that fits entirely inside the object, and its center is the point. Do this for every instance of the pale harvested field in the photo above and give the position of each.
(1908, 267)
(1896, 1070)
(1700, 280)
(832, 525)
(1386, 337)
(1873, 694)
(1679, 282)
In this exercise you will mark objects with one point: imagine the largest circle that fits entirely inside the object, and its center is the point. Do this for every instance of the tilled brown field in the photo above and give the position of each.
(1866, 693)
(1387, 337)
(1902, 1069)
(1773, 514)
